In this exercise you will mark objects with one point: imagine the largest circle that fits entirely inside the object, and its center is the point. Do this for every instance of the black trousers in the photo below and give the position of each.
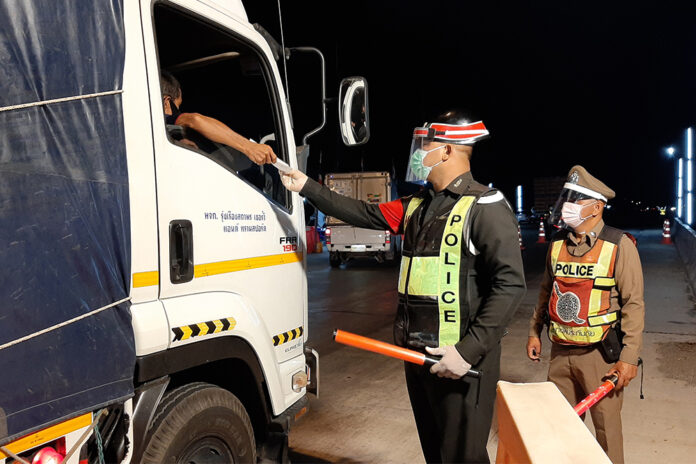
(454, 417)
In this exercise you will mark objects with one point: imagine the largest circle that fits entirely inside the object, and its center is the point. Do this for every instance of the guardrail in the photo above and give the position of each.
(684, 238)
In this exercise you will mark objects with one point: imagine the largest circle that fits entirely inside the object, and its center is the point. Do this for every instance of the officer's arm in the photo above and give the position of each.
(536, 323)
(385, 216)
(494, 234)
(629, 283)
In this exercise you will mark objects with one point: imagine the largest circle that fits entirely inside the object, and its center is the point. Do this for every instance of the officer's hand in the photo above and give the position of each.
(452, 365)
(294, 180)
(534, 348)
(260, 153)
(625, 371)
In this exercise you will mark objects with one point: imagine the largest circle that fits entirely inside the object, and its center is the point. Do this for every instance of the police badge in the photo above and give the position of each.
(574, 177)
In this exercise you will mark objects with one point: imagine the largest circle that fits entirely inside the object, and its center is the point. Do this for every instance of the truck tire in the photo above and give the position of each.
(200, 423)
(334, 259)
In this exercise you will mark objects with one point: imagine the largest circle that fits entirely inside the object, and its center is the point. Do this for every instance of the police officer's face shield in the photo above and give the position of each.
(434, 136)
(419, 167)
(573, 206)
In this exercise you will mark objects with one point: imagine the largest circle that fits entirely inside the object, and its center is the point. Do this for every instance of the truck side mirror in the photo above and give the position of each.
(353, 112)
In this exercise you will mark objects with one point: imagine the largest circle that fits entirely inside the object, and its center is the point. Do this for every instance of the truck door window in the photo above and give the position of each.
(224, 77)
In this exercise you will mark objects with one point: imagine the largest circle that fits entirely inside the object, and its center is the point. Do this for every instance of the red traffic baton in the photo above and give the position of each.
(387, 349)
(594, 397)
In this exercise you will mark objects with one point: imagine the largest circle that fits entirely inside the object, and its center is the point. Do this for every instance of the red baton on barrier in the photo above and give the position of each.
(376, 346)
(596, 395)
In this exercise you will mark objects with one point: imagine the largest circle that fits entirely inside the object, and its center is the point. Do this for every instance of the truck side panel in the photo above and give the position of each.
(64, 215)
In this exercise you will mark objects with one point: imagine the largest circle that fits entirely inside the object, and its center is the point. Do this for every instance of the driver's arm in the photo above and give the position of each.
(218, 132)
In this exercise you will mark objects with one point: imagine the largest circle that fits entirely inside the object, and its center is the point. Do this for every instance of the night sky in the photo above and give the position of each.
(608, 85)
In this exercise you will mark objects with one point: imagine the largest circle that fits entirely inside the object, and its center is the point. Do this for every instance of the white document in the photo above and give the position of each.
(282, 166)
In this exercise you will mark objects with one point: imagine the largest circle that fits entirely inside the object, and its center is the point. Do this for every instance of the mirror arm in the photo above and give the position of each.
(324, 100)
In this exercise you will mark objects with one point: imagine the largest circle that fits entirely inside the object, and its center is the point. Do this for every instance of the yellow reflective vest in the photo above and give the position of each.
(433, 275)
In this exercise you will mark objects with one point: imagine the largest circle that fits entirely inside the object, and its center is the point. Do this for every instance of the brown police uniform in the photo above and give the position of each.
(578, 370)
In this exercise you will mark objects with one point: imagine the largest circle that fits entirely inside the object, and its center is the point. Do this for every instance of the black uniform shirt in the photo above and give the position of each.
(494, 239)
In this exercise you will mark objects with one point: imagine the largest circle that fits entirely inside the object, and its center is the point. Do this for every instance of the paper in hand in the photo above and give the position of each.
(282, 166)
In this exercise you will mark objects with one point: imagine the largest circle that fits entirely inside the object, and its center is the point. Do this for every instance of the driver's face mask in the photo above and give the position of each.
(172, 107)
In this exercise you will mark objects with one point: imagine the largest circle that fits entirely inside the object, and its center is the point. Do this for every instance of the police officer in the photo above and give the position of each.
(591, 298)
(461, 280)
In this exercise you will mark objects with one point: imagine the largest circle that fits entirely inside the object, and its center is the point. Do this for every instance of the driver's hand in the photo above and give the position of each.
(188, 143)
(294, 180)
(260, 153)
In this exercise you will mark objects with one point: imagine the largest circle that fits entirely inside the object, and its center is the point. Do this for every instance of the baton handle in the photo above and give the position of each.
(387, 349)
(594, 397)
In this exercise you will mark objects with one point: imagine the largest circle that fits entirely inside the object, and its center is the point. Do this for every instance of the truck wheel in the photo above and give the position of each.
(334, 259)
(200, 423)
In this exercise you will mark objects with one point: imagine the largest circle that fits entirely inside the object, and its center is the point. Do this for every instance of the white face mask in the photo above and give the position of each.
(570, 213)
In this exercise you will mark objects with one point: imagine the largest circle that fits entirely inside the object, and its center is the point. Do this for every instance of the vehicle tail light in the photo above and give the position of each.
(387, 237)
(47, 455)
(327, 234)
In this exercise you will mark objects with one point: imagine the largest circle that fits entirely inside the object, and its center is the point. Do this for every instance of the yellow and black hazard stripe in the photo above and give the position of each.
(203, 328)
(287, 336)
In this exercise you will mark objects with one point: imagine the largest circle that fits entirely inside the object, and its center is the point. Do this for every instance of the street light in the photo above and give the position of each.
(680, 187)
(689, 178)
(685, 186)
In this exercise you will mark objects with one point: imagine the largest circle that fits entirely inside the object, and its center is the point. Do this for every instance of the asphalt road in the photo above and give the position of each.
(363, 413)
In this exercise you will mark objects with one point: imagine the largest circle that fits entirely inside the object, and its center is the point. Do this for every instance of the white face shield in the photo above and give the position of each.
(571, 193)
(433, 136)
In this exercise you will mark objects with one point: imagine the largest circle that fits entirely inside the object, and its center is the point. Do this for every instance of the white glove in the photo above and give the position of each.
(294, 180)
(452, 365)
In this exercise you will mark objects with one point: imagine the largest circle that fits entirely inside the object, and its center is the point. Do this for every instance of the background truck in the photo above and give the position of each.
(345, 241)
(546, 192)
(153, 289)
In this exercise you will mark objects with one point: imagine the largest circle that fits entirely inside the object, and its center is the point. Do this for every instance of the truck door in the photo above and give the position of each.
(231, 255)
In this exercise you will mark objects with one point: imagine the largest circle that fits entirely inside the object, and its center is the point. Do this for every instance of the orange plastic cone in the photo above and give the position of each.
(519, 234)
(542, 233)
(319, 248)
(666, 235)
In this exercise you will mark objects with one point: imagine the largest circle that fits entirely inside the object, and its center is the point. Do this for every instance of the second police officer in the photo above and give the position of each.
(591, 299)
(461, 280)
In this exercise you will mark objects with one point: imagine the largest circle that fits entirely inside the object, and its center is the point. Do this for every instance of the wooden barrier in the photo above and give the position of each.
(536, 425)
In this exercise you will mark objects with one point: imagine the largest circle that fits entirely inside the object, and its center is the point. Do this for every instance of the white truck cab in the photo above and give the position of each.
(218, 286)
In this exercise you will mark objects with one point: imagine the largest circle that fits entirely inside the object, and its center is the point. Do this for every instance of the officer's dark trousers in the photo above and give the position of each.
(451, 427)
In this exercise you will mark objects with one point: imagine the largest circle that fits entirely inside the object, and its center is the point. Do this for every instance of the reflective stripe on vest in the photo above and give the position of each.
(450, 261)
(580, 300)
(405, 260)
(412, 205)
(438, 276)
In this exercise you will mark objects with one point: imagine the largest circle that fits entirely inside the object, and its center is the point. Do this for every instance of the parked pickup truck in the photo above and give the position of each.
(346, 242)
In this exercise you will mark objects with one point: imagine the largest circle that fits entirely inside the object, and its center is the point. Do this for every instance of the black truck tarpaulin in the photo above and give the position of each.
(64, 212)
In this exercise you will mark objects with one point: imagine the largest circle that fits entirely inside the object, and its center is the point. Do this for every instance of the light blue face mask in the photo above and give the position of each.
(420, 170)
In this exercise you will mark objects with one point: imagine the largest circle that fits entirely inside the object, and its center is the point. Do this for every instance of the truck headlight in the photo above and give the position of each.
(299, 381)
